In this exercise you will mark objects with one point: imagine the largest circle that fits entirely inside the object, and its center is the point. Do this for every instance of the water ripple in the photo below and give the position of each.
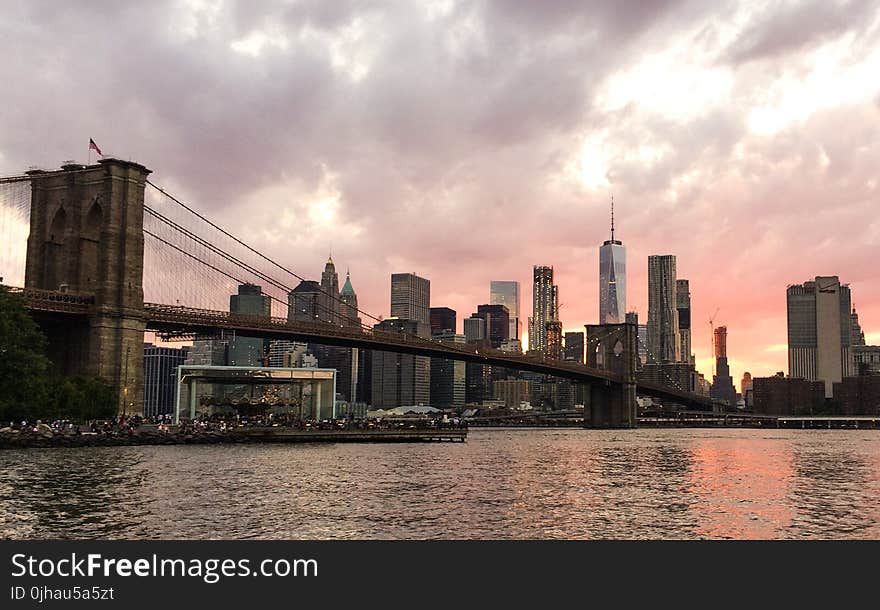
(682, 484)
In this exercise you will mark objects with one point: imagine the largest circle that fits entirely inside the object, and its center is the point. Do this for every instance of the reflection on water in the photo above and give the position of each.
(829, 483)
(556, 483)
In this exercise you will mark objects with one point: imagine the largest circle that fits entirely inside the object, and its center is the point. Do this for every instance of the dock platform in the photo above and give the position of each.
(417, 435)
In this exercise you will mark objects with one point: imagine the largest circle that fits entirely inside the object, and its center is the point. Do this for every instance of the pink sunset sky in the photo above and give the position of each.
(469, 141)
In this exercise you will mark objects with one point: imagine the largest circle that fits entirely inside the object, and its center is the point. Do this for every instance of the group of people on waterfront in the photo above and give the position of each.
(109, 427)
(58, 426)
(223, 423)
(130, 425)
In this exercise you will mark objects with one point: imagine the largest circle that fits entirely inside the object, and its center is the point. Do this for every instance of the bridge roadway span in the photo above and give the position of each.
(169, 319)
(173, 320)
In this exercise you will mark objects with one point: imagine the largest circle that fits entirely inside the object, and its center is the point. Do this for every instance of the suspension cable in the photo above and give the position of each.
(260, 254)
(217, 269)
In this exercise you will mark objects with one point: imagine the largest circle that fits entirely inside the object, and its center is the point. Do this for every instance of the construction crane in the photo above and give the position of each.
(712, 337)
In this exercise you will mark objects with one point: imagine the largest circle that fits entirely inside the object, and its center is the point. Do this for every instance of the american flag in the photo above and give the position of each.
(93, 146)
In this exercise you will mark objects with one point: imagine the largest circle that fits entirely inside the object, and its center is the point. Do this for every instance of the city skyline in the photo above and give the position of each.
(767, 164)
(680, 302)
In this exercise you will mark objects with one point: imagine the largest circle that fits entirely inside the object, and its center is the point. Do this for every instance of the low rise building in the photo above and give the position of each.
(858, 395)
(865, 359)
(780, 395)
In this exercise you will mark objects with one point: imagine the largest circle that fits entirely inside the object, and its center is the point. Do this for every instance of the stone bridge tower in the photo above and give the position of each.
(613, 347)
(86, 238)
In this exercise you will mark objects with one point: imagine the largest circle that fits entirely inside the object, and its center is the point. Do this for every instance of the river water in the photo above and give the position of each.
(501, 483)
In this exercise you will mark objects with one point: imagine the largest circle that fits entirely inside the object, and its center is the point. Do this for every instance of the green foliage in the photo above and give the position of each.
(24, 367)
(82, 399)
(29, 389)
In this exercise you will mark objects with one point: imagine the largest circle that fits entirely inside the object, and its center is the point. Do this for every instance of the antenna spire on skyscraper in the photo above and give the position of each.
(612, 217)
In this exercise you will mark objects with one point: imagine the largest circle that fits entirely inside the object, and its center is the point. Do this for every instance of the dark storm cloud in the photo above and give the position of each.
(221, 124)
(786, 27)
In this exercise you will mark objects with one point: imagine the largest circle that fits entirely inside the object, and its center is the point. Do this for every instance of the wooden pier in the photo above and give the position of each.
(390, 435)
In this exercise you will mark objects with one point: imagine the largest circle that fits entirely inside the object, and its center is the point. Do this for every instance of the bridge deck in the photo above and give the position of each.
(168, 318)
(55, 301)
(175, 320)
(284, 435)
(171, 319)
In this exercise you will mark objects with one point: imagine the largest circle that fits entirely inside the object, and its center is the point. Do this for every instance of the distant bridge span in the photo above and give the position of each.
(168, 319)
(173, 320)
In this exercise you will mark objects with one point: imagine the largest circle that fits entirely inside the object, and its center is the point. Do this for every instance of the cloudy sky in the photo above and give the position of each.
(468, 141)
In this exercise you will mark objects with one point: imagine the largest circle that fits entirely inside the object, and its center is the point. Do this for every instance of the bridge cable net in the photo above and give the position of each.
(15, 220)
(193, 262)
(190, 262)
(671, 382)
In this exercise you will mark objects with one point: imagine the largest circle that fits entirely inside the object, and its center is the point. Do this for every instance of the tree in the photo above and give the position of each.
(82, 399)
(23, 363)
(29, 388)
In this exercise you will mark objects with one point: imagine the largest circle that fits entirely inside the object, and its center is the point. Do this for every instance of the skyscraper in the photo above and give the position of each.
(329, 299)
(448, 377)
(683, 305)
(340, 309)
(722, 383)
(400, 379)
(475, 329)
(819, 331)
(304, 302)
(160, 378)
(324, 302)
(349, 306)
(720, 342)
(442, 319)
(250, 300)
(554, 340)
(478, 378)
(574, 346)
(612, 278)
(507, 293)
(403, 379)
(544, 307)
(410, 297)
(497, 323)
(664, 342)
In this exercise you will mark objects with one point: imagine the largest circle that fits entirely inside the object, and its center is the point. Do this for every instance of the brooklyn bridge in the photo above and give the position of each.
(110, 255)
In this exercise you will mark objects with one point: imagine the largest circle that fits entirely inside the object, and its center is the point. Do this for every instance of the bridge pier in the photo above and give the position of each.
(86, 238)
(612, 347)
(610, 406)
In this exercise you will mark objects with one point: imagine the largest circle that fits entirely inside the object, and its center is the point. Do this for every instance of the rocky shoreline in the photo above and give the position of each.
(24, 440)
(46, 438)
